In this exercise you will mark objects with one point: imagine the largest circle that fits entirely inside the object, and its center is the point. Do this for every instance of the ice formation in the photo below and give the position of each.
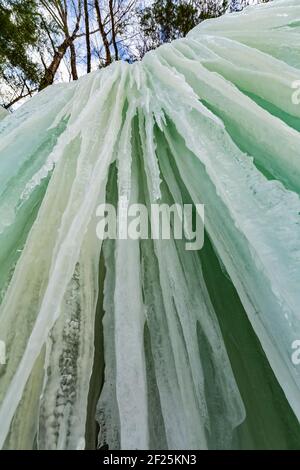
(3, 113)
(162, 347)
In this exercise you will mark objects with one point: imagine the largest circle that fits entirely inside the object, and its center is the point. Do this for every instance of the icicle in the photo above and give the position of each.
(207, 119)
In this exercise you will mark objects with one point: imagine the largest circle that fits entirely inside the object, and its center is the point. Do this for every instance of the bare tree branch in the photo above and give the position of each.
(108, 59)
(87, 38)
(113, 29)
(73, 62)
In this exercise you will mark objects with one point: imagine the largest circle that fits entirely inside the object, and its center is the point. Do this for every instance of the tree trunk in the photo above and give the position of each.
(103, 34)
(113, 29)
(73, 62)
(50, 72)
(87, 38)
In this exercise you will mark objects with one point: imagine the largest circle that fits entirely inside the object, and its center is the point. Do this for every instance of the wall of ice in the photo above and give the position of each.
(3, 113)
(183, 349)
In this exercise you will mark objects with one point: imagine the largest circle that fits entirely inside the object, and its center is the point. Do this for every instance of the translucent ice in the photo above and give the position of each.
(165, 348)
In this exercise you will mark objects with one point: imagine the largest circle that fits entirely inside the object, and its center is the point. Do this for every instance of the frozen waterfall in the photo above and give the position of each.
(140, 344)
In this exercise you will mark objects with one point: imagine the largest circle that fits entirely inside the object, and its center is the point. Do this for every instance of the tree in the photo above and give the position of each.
(87, 37)
(67, 17)
(39, 37)
(43, 41)
(166, 20)
(103, 32)
(113, 19)
(19, 28)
